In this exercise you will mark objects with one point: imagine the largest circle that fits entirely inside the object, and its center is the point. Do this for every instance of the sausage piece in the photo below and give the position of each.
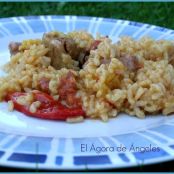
(14, 47)
(62, 44)
(59, 44)
(131, 62)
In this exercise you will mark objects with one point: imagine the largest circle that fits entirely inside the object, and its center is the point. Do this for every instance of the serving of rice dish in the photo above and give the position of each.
(104, 78)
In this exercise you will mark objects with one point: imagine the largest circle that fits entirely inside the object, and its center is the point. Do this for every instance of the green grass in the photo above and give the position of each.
(153, 13)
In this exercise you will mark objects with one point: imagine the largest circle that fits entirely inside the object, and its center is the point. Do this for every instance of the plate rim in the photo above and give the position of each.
(97, 167)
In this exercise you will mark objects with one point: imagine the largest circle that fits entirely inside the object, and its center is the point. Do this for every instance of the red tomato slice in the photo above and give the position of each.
(49, 109)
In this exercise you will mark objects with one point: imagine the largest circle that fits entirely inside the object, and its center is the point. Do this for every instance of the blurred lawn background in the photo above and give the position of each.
(160, 13)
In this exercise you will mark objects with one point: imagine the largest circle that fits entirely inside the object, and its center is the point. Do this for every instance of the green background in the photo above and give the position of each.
(160, 13)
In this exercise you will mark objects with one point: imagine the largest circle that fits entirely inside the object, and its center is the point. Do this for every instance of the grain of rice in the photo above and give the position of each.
(34, 106)
(56, 97)
(77, 119)
(10, 106)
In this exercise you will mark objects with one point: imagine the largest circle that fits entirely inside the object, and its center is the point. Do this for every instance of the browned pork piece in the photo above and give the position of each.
(131, 62)
(60, 44)
(171, 55)
(14, 47)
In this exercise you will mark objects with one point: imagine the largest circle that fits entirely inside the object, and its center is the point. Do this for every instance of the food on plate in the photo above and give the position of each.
(75, 76)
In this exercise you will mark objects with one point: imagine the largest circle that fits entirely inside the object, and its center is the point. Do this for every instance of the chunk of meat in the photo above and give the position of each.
(71, 47)
(56, 49)
(131, 62)
(58, 45)
(14, 47)
(83, 57)
(105, 61)
(171, 55)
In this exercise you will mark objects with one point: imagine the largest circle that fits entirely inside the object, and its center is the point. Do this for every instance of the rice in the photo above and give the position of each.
(34, 106)
(106, 86)
(75, 119)
(82, 38)
(10, 106)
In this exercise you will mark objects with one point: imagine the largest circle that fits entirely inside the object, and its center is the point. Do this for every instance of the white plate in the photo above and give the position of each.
(29, 143)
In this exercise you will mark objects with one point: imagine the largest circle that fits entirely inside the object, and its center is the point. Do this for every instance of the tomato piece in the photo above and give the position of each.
(49, 109)
(57, 113)
(45, 99)
(68, 89)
